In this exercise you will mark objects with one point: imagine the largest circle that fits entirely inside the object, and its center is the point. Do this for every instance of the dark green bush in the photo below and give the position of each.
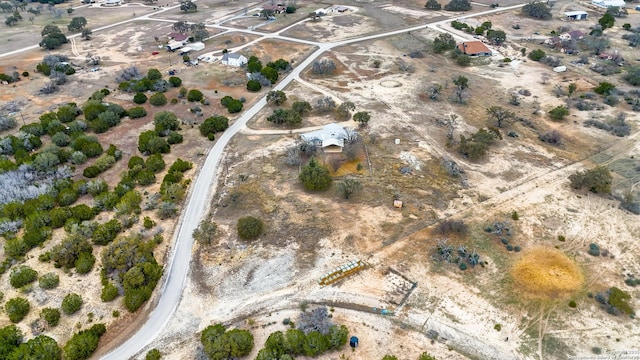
(109, 292)
(22, 275)
(51, 316)
(249, 227)
(71, 303)
(137, 112)
(139, 98)
(158, 99)
(91, 172)
(17, 308)
(49, 281)
(85, 263)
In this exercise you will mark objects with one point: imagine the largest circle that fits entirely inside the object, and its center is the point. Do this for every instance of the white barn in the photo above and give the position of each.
(234, 59)
(576, 15)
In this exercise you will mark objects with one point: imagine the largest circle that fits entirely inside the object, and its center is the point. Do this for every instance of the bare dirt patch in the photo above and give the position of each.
(545, 273)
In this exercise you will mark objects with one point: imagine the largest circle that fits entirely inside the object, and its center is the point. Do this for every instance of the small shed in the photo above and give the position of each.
(174, 45)
(353, 342)
(576, 15)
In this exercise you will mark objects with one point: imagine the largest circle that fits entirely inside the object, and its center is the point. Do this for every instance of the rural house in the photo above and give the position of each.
(572, 35)
(233, 59)
(330, 138)
(474, 48)
(176, 36)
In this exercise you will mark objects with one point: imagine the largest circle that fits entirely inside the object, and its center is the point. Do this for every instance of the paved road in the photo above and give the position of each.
(204, 186)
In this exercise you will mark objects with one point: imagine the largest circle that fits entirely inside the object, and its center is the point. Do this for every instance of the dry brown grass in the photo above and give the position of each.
(546, 274)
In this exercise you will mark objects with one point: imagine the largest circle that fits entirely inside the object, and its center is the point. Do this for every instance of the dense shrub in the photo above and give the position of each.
(195, 95)
(537, 55)
(84, 263)
(458, 5)
(17, 308)
(158, 99)
(137, 112)
(537, 10)
(150, 143)
(71, 303)
(314, 176)
(249, 227)
(139, 98)
(220, 344)
(597, 180)
(68, 251)
(558, 113)
(109, 292)
(253, 85)
(22, 275)
(175, 81)
(49, 281)
(214, 124)
(51, 316)
(82, 344)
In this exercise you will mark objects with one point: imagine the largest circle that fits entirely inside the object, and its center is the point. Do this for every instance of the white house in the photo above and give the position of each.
(608, 3)
(234, 59)
(330, 138)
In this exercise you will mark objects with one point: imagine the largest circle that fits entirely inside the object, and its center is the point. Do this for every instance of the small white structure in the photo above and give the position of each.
(174, 45)
(234, 59)
(608, 3)
(576, 15)
(185, 50)
(111, 3)
(330, 138)
(196, 46)
(560, 68)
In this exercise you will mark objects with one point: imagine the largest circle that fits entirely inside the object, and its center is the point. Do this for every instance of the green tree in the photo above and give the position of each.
(571, 89)
(348, 187)
(153, 354)
(270, 73)
(84, 343)
(314, 176)
(17, 308)
(558, 113)
(249, 227)
(389, 357)
(362, 117)
(49, 281)
(77, 24)
(284, 116)
(597, 180)
(315, 344)
(71, 303)
(604, 88)
(443, 42)
(155, 163)
(337, 336)
(154, 74)
(195, 95)
(537, 10)
(606, 21)
(68, 251)
(175, 81)
(205, 232)
(158, 99)
(52, 37)
(253, 85)
(137, 112)
(10, 339)
(22, 275)
(221, 345)
(277, 97)
(426, 356)
(497, 37)
(41, 347)
(345, 109)
(51, 316)
(254, 65)
(433, 5)
(139, 98)
(500, 115)
(458, 5)
(165, 121)
(109, 292)
(150, 143)
(301, 107)
(213, 125)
